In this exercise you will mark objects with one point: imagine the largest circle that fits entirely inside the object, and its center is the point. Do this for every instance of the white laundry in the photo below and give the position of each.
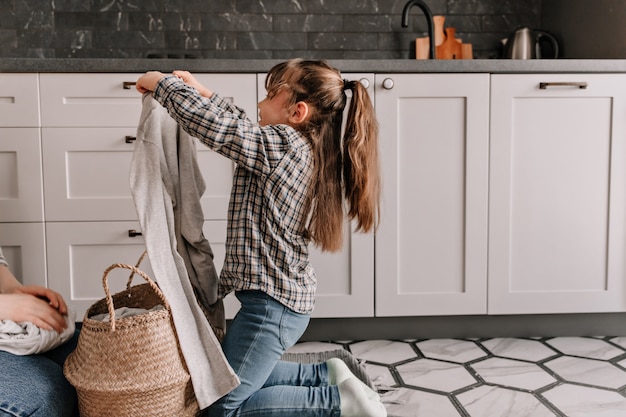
(27, 339)
(123, 312)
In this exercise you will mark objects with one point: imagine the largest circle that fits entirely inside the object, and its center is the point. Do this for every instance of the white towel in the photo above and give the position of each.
(27, 339)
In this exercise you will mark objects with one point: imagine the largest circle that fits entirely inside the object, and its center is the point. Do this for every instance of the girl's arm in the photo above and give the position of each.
(219, 125)
(148, 83)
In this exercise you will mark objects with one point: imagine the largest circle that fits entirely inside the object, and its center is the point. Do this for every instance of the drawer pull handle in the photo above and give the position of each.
(130, 139)
(126, 85)
(580, 85)
(133, 233)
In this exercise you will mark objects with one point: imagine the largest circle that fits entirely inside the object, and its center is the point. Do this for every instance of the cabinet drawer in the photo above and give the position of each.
(86, 173)
(19, 100)
(82, 100)
(21, 185)
(23, 246)
(79, 252)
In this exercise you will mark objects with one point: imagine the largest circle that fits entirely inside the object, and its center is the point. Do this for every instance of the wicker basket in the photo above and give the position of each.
(130, 367)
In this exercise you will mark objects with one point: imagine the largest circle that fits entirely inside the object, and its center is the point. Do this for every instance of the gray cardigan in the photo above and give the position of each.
(166, 185)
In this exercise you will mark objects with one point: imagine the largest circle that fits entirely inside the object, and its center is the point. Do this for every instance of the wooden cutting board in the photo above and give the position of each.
(445, 44)
(451, 47)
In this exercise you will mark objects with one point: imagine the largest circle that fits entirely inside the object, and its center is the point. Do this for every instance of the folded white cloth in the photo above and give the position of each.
(28, 339)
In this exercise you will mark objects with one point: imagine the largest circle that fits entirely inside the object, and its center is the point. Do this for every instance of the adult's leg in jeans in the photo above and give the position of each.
(260, 333)
(34, 386)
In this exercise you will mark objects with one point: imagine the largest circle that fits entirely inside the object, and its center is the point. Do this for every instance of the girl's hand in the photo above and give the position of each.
(191, 81)
(27, 303)
(148, 81)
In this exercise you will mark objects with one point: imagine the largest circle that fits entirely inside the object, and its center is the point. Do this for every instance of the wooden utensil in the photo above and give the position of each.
(451, 46)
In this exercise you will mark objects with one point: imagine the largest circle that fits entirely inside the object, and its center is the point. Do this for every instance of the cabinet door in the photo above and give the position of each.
(19, 100)
(21, 186)
(558, 189)
(431, 245)
(79, 252)
(24, 249)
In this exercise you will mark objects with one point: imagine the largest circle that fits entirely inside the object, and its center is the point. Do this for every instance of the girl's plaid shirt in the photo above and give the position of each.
(266, 243)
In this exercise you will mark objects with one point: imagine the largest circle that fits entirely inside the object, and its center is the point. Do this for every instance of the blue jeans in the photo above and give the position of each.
(34, 385)
(256, 339)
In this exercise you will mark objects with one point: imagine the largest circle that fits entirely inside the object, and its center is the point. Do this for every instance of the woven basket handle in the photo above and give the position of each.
(135, 270)
(132, 274)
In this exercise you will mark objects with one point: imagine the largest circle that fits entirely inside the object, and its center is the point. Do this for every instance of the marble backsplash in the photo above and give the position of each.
(247, 29)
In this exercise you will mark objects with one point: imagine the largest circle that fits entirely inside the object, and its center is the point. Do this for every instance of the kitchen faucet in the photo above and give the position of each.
(429, 20)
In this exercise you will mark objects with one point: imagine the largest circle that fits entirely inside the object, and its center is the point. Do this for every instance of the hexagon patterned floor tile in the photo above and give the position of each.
(453, 350)
(588, 371)
(383, 351)
(499, 377)
(435, 375)
(490, 401)
(577, 401)
(529, 350)
(585, 347)
(513, 373)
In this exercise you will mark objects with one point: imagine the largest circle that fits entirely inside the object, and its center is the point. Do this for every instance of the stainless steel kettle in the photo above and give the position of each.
(525, 43)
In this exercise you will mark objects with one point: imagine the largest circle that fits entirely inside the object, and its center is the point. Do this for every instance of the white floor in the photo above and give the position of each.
(512, 377)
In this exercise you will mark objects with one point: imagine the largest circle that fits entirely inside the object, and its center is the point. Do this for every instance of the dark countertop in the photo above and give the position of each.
(87, 65)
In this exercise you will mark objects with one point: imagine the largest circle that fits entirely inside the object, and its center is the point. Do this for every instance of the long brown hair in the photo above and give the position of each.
(346, 167)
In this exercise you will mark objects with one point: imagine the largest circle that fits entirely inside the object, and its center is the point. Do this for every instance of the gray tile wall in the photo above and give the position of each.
(337, 29)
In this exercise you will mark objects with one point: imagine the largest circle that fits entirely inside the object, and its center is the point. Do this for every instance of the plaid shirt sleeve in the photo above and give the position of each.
(222, 126)
(266, 242)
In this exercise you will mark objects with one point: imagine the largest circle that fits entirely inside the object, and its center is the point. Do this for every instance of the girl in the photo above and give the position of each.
(295, 174)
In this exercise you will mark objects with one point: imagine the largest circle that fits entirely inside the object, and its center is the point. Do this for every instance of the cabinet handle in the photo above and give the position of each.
(387, 83)
(129, 139)
(126, 85)
(133, 233)
(582, 85)
(365, 82)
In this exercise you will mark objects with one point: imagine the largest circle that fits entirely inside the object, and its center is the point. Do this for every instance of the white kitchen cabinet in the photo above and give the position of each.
(88, 148)
(86, 173)
(345, 279)
(25, 251)
(19, 100)
(85, 100)
(89, 128)
(79, 252)
(21, 186)
(431, 245)
(557, 240)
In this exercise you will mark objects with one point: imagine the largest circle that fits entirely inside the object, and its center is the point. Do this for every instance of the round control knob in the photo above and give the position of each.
(387, 83)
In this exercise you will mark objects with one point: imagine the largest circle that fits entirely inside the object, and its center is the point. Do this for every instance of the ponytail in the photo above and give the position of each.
(360, 160)
(346, 168)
